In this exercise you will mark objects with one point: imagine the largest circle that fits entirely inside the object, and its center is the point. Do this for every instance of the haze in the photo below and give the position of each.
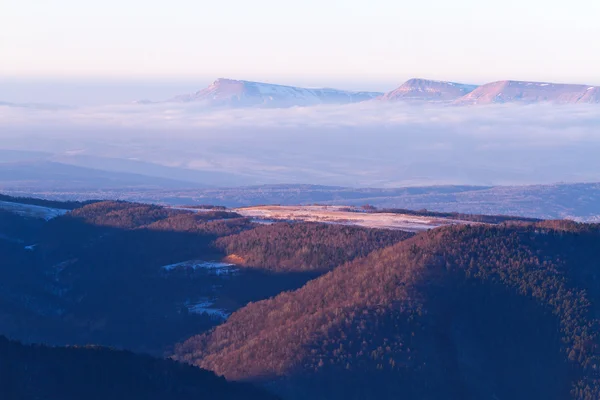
(364, 144)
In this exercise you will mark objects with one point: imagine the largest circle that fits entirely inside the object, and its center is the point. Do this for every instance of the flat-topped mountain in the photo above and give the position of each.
(531, 92)
(235, 93)
(428, 90)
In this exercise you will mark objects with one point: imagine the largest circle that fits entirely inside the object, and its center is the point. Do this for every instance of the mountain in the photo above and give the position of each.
(531, 92)
(94, 373)
(234, 93)
(462, 312)
(428, 90)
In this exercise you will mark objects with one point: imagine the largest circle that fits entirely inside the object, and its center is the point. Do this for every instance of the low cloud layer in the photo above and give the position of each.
(367, 144)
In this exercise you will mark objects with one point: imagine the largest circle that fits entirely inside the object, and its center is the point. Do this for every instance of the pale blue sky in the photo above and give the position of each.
(302, 41)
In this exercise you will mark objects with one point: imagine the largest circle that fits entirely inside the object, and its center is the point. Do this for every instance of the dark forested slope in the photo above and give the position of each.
(305, 246)
(93, 373)
(464, 312)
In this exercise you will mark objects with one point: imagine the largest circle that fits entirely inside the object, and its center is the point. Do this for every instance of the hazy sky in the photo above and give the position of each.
(302, 41)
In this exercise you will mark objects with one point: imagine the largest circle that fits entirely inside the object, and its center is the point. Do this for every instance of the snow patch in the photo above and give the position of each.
(214, 267)
(206, 306)
(262, 221)
(28, 210)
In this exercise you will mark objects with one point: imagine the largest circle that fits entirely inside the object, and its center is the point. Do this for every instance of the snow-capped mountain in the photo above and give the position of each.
(531, 92)
(234, 93)
(428, 90)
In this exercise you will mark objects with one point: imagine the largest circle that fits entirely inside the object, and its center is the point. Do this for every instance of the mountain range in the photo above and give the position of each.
(236, 93)
(231, 93)
(239, 93)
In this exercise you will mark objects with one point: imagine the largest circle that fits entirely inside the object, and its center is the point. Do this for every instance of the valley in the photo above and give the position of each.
(302, 200)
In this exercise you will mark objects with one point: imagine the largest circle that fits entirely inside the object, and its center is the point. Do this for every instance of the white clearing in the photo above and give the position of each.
(340, 215)
(28, 210)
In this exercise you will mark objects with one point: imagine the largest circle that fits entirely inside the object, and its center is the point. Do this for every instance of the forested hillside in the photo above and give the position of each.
(144, 277)
(464, 312)
(306, 246)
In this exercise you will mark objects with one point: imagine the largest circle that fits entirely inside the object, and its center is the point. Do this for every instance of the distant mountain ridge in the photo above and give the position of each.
(531, 92)
(241, 94)
(428, 90)
(238, 93)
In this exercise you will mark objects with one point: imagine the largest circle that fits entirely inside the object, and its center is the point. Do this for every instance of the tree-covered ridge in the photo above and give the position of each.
(119, 214)
(65, 205)
(457, 312)
(95, 373)
(305, 246)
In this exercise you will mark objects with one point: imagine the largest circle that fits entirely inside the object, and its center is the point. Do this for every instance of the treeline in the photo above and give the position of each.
(205, 207)
(487, 219)
(285, 247)
(64, 205)
(94, 373)
(456, 312)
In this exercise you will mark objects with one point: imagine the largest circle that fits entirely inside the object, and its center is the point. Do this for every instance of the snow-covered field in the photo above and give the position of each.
(29, 210)
(338, 215)
(213, 267)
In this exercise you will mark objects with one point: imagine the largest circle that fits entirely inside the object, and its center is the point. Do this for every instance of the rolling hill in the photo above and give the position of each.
(464, 312)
